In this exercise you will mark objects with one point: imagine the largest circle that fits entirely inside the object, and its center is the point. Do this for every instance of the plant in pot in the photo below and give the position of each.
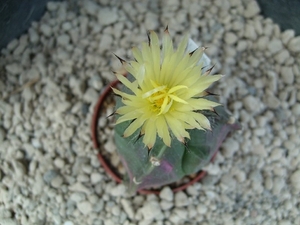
(168, 125)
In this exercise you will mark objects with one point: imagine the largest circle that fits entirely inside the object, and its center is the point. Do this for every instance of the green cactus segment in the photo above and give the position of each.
(164, 165)
(204, 144)
(197, 152)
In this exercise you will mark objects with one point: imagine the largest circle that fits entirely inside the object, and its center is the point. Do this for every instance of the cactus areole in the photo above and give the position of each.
(167, 124)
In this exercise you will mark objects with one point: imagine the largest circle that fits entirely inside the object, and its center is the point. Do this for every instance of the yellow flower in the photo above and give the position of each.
(167, 91)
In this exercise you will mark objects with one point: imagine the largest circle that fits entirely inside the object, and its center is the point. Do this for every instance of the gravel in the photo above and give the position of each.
(166, 194)
(52, 76)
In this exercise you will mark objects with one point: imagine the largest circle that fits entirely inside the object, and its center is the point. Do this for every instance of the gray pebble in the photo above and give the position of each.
(252, 9)
(116, 210)
(2, 134)
(107, 16)
(85, 207)
(166, 193)
(91, 8)
(96, 82)
(59, 163)
(79, 162)
(14, 68)
(295, 179)
(272, 101)
(295, 110)
(79, 187)
(209, 180)
(274, 46)
(96, 178)
(181, 199)
(276, 154)
(50, 175)
(202, 209)
(93, 198)
(68, 223)
(98, 207)
(227, 181)
(8, 221)
(83, 178)
(237, 25)
(191, 190)
(63, 39)
(250, 32)
(127, 208)
(91, 95)
(110, 146)
(287, 35)
(166, 205)
(66, 26)
(57, 181)
(230, 38)
(262, 42)
(119, 190)
(282, 56)
(87, 169)
(66, 134)
(52, 6)
(151, 210)
(252, 104)
(278, 185)
(33, 36)
(255, 176)
(105, 42)
(241, 45)
(294, 45)
(20, 49)
(212, 169)
(77, 196)
(151, 21)
(85, 108)
(95, 162)
(287, 74)
(46, 30)
(230, 147)
(12, 44)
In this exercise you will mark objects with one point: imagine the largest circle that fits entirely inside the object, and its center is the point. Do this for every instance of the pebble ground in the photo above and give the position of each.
(52, 76)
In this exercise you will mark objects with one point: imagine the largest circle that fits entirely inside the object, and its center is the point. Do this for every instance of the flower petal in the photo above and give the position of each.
(202, 120)
(122, 94)
(177, 99)
(127, 116)
(136, 124)
(176, 88)
(137, 55)
(127, 83)
(150, 135)
(163, 130)
(202, 103)
(177, 128)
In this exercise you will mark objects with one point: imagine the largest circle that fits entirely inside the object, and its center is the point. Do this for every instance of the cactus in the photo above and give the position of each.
(164, 165)
(168, 125)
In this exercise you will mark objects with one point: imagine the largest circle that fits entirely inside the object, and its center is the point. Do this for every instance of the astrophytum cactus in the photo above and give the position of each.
(168, 125)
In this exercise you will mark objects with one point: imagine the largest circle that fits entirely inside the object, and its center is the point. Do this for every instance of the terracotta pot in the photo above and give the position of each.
(106, 165)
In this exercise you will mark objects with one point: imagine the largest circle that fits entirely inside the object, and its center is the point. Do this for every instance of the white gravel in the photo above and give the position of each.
(52, 76)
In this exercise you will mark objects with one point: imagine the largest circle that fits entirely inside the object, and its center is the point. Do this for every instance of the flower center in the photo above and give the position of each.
(161, 97)
(161, 101)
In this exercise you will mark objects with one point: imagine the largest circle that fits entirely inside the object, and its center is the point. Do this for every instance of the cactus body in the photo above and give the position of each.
(164, 165)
